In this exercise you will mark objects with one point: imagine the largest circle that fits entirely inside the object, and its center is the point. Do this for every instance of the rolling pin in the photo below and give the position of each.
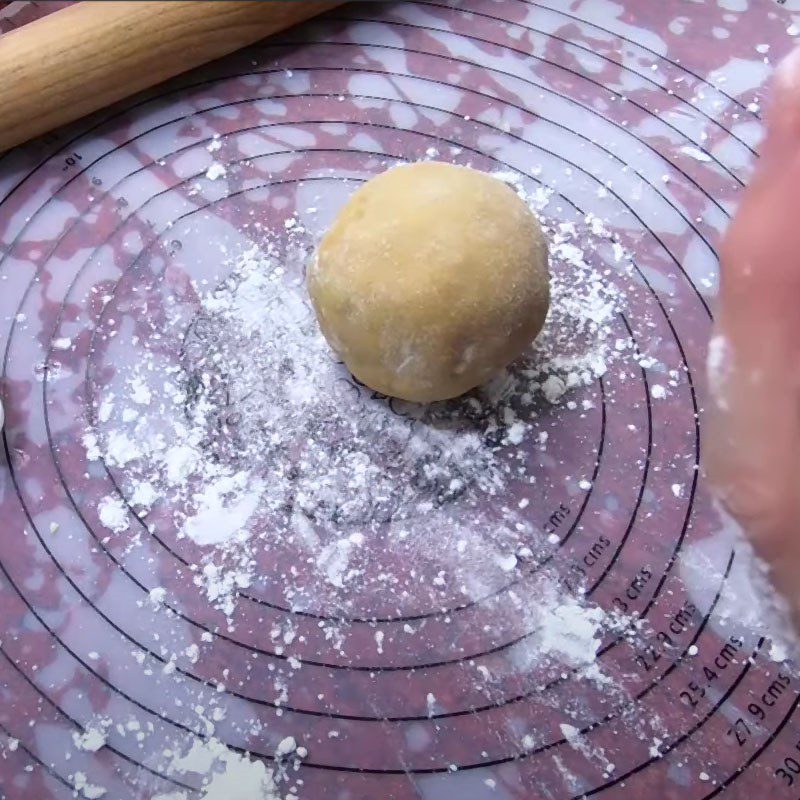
(89, 55)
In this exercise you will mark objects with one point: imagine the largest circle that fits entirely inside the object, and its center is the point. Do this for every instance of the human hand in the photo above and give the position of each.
(754, 353)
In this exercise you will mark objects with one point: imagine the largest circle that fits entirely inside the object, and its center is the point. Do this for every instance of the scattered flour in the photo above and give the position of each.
(253, 437)
(570, 630)
(286, 746)
(158, 595)
(216, 170)
(113, 513)
(85, 789)
(94, 737)
(240, 432)
(227, 775)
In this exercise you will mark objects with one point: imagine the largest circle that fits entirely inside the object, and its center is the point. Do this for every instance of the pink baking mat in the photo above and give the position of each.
(647, 115)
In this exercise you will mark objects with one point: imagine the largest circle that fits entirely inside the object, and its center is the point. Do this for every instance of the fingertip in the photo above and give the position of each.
(787, 73)
(783, 109)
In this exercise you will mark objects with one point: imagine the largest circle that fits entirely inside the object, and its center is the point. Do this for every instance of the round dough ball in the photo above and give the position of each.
(431, 279)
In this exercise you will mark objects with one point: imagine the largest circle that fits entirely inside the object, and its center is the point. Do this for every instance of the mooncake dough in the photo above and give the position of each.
(431, 279)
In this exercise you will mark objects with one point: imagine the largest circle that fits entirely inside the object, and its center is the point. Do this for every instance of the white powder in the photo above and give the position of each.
(570, 631)
(430, 701)
(554, 388)
(223, 509)
(181, 462)
(754, 606)
(216, 170)
(507, 562)
(144, 494)
(139, 393)
(578, 742)
(200, 757)
(113, 514)
(86, 789)
(570, 733)
(516, 433)
(333, 560)
(92, 739)
(654, 751)
(228, 774)
(105, 408)
(778, 652)
(255, 436)
(157, 595)
(120, 449)
(286, 746)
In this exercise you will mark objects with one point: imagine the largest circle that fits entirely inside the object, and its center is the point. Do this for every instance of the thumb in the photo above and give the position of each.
(754, 354)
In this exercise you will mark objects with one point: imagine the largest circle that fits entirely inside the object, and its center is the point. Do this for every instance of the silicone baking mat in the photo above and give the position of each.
(119, 675)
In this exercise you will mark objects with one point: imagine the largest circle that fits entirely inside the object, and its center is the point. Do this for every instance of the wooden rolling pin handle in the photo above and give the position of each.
(89, 55)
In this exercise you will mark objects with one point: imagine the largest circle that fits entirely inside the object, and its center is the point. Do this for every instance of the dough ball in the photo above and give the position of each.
(431, 279)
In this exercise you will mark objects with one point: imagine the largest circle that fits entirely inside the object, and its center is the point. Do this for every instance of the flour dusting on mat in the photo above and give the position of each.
(253, 442)
(226, 774)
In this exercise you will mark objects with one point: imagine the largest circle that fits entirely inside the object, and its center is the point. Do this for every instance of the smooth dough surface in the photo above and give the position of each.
(431, 279)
